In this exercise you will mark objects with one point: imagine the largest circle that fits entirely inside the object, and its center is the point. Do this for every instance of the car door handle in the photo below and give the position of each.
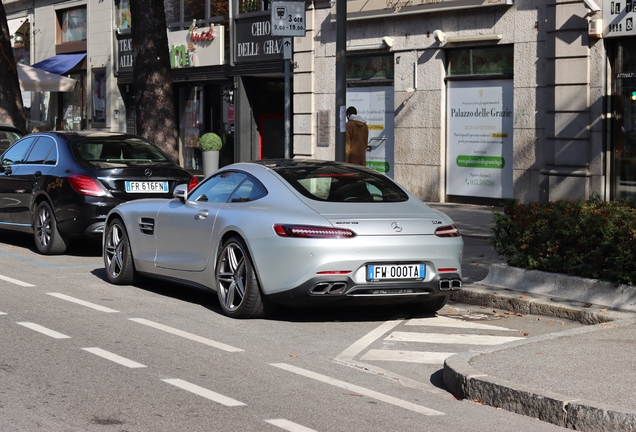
(201, 214)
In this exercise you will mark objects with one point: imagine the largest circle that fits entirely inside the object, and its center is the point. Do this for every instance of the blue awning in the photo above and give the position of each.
(61, 63)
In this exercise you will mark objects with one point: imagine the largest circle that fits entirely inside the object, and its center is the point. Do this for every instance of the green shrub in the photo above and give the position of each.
(210, 142)
(587, 238)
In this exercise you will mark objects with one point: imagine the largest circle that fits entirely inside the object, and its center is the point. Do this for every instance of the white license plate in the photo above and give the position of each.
(147, 186)
(396, 272)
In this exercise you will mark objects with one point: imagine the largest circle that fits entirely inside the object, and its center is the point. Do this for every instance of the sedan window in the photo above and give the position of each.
(43, 152)
(217, 188)
(16, 154)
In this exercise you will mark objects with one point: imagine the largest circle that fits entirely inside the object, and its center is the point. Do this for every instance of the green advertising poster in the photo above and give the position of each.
(479, 138)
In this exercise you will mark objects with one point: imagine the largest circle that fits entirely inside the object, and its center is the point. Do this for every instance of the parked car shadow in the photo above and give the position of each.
(84, 247)
(333, 313)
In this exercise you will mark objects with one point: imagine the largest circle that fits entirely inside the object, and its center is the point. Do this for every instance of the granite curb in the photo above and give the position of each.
(465, 382)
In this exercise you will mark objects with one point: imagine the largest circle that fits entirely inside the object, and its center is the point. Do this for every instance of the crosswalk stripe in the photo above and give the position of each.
(440, 321)
(422, 357)
(15, 281)
(463, 339)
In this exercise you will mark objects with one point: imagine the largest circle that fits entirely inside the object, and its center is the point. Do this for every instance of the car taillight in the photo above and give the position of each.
(86, 185)
(309, 231)
(447, 231)
(193, 182)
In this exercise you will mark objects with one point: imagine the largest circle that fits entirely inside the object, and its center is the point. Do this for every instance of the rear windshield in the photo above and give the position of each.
(335, 183)
(116, 150)
(7, 138)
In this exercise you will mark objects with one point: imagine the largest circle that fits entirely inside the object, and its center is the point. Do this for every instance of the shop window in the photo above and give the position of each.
(122, 15)
(181, 13)
(71, 30)
(498, 60)
(246, 6)
(380, 67)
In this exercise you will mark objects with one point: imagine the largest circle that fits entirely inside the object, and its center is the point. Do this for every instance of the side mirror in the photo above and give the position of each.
(181, 192)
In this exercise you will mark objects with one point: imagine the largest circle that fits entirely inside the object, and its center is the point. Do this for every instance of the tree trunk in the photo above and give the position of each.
(11, 108)
(152, 76)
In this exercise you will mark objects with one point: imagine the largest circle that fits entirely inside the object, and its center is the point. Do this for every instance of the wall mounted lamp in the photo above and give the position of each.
(441, 37)
(387, 42)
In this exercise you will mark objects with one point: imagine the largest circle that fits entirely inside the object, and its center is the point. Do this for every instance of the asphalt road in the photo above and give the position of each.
(80, 354)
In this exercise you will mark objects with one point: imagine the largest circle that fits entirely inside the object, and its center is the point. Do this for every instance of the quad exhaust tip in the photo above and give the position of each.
(329, 288)
(450, 284)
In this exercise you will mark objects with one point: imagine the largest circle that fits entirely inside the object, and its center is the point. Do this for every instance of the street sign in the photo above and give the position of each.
(287, 48)
(288, 18)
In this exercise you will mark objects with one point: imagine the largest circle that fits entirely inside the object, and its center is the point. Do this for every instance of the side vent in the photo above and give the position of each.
(147, 226)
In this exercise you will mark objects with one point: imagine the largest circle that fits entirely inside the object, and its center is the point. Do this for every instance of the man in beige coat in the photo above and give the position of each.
(357, 138)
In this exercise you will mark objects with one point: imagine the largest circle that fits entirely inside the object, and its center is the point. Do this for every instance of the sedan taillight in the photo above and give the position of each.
(193, 182)
(86, 185)
(309, 231)
(447, 231)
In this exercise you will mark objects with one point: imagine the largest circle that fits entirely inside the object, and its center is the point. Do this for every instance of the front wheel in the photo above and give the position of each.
(237, 285)
(118, 261)
(48, 239)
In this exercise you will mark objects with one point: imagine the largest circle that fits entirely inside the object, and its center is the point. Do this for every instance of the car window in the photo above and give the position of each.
(116, 150)
(248, 190)
(217, 188)
(43, 152)
(16, 154)
(335, 183)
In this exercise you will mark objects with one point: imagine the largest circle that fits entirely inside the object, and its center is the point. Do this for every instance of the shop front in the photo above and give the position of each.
(259, 86)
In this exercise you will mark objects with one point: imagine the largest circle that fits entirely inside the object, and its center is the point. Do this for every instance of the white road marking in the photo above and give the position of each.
(3, 313)
(463, 339)
(44, 330)
(367, 340)
(208, 394)
(422, 357)
(440, 321)
(83, 303)
(289, 426)
(114, 357)
(357, 389)
(15, 281)
(187, 335)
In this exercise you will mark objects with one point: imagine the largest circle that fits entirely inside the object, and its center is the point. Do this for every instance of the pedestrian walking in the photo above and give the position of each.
(357, 138)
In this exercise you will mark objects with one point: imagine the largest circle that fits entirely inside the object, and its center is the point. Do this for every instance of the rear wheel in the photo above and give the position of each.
(427, 306)
(237, 285)
(48, 239)
(118, 261)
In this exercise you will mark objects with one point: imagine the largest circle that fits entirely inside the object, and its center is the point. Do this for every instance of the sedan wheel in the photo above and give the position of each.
(237, 284)
(48, 239)
(118, 261)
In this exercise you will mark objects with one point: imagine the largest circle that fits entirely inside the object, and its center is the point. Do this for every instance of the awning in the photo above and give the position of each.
(32, 79)
(61, 63)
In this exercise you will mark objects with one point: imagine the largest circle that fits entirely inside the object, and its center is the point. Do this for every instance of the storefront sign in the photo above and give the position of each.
(197, 47)
(479, 138)
(368, 9)
(254, 41)
(618, 18)
(375, 105)
(124, 53)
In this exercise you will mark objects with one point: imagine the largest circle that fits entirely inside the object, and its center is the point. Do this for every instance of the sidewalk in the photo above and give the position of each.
(581, 379)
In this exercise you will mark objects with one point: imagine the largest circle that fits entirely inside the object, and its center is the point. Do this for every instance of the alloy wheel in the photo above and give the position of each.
(231, 277)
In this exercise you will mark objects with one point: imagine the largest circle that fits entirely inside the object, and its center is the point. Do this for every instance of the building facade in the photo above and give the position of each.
(466, 100)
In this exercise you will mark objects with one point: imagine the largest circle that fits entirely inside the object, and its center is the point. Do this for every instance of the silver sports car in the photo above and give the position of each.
(290, 232)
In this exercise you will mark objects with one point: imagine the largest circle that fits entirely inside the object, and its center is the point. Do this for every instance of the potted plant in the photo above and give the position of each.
(210, 145)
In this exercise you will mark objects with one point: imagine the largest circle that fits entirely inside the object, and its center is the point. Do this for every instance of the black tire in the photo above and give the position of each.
(118, 260)
(427, 306)
(48, 239)
(237, 283)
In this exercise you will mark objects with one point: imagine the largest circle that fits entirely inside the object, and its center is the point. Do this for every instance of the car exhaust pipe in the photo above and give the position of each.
(326, 288)
(450, 284)
(456, 284)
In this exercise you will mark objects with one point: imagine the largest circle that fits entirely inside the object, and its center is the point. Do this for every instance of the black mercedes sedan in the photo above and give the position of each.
(61, 185)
